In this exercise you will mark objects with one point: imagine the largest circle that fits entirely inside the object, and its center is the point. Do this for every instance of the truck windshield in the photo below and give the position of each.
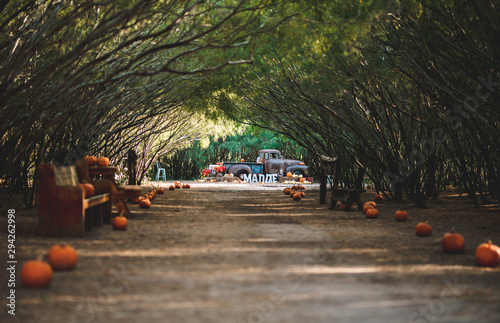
(275, 156)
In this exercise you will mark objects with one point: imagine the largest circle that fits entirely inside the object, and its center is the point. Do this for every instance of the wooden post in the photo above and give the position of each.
(322, 185)
(131, 167)
(336, 194)
(324, 162)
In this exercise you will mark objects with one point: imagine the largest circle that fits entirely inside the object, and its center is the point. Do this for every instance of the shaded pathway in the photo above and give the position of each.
(224, 254)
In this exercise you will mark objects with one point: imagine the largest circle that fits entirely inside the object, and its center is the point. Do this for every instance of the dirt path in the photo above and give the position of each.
(248, 253)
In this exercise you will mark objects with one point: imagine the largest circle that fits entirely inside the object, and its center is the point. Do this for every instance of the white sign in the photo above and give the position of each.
(255, 178)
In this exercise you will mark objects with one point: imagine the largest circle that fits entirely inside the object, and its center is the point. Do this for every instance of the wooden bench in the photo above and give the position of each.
(348, 196)
(339, 194)
(63, 209)
(119, 195)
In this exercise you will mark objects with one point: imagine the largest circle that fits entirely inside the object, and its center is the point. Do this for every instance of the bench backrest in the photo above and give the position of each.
(66, 176)
(50, 176)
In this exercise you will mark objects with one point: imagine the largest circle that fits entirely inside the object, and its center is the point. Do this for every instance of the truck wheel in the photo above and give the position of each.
(241, 173)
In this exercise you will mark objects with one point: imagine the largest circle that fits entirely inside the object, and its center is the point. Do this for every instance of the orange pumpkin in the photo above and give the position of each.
(160, 191)
(423, 229)
(88, 189)
(91, 160)
(342, 207)
(121, 222)
(145, 204)
(36, 273)
(302, 194)
(378, 197)
(371, 203)
(289, 174)
(487, 255)
(453, 242)
(242, 160)
(171, 188)
(401, 215)
(103, 161)
(62, 257)
(372, 213)
(297, 196)
(186, 186)
(302, 180)
(367, 207)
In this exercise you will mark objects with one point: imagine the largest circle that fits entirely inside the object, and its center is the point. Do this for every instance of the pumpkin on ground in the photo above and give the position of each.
(36, 273)
(91, 160)
(171, 188)
(372, 213)
(372, 203)
(186, 186)
(302, 180)
(88, 189)
(145, 204)
(401, 215)
(287, 191)
(297, 196)
(160, 191)
(487, 255)
(378, 197)
(453, 242)
(103, 161)
(342, 207)
(423, 229)
(62, 257)
(119, 223)
(367, 207)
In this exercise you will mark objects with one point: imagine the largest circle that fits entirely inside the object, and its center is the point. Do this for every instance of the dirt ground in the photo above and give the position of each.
(248, 253)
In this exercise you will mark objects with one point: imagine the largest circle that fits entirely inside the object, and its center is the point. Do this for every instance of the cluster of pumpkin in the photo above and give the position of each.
(296, 192)
(178, 185)
(145, 200)
(94, 161)
(39, 273)
(486, 255)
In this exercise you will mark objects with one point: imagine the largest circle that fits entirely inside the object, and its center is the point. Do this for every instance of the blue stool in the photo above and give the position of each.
(160, 172)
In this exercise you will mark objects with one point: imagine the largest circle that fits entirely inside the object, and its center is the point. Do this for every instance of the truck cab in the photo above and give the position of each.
(272, 160)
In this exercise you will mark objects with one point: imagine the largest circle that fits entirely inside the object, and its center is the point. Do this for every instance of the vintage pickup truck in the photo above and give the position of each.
(269, 162)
